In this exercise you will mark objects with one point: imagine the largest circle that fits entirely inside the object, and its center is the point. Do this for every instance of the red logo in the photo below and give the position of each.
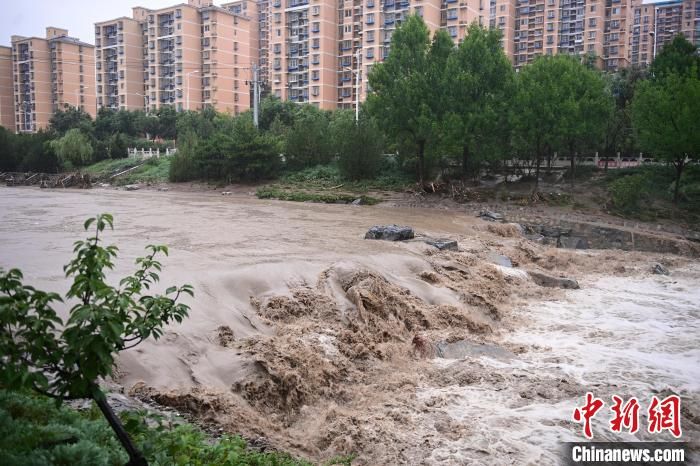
(662, 414)
(665, 415)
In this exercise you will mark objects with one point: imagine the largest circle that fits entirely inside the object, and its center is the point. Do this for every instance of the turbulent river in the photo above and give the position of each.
(325, 343)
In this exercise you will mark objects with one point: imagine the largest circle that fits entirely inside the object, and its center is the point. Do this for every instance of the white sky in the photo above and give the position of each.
(30, 17)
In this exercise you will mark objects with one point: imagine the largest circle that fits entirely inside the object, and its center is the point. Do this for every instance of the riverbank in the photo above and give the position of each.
(326, 344)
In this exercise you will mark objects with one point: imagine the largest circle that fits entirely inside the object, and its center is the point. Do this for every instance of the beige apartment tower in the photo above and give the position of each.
(189, 56)
(118, 63)
(51, 73)
(7, 107)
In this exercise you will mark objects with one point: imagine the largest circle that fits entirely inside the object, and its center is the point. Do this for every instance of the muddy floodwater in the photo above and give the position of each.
(308, 338)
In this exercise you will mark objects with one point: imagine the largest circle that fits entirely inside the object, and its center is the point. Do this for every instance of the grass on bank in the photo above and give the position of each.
(153, 170)
(35, 431)
(325, 184)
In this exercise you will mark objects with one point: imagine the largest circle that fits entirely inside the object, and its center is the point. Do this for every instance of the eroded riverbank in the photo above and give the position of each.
(326, 343)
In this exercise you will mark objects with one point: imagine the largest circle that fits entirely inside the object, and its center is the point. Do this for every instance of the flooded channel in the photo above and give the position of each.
(323, 343)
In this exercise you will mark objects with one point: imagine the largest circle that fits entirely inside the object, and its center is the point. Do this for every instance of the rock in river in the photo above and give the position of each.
(548, 281)
(390, 233)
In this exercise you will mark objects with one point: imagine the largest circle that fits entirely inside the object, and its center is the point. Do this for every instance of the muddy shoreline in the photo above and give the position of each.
(327, 344)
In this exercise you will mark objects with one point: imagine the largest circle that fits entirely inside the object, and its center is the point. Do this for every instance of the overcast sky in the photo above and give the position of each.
(30, 17)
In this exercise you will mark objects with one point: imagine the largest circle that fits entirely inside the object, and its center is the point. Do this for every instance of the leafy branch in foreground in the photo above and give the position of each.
(65, 360)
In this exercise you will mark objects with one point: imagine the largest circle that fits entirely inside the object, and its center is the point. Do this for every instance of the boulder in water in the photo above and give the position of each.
(390, 233)
(442, 244)
(549, 281)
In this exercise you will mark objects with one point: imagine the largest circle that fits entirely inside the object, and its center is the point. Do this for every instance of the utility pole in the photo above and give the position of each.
(357, 87)
(256, 93)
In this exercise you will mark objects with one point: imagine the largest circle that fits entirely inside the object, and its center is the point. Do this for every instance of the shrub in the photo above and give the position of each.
(628, 191)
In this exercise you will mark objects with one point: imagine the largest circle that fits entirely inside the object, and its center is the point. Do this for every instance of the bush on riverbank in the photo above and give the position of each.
(35, 431)
(646, 192)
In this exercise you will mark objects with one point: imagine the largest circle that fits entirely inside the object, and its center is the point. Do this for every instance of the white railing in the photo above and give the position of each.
(148, 153)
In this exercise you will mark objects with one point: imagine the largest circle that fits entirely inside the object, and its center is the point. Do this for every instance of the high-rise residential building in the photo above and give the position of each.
(642, 34)
(118, 64)
(7, 107)
(190, 56)
(258, 12)
(51, 73)
(377, 22)
(304, 51)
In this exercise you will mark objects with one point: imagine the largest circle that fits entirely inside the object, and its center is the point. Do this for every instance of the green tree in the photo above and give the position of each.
(73, 149)
(63, 121)
(481, 87)
(307, 143)
(65, 360)
(402, 96)
(678, 57)
(9, 157)
(276, 111)
(359, 145)
(559, 105)
(665, 118)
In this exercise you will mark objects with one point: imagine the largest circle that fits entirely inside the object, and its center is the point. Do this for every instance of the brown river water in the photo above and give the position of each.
(323, 343)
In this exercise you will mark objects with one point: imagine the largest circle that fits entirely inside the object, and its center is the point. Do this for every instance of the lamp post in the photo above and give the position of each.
(77, 98)
(187, 83)
(145, 102)
(357, 74)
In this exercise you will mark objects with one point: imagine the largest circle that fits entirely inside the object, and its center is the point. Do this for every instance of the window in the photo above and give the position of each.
(452, 30)
(370, 3)
(276, 63)
(370, 18)
(616, 10)
(178, 13)
(592, 22)
(419, 11)
(370, 53)
(315, 75)
(315, 59)
(277, 48)
(452, 13)
(550, 14)
(592, 8)
(315, 10)
(278, 17)
(315, 43)
(370, 36)
(348, 13)
(315, 90)
(591, 35)
(315, 26)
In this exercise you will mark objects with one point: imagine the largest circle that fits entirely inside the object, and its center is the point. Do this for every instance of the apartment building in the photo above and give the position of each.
(303, 51)
(7, 107)
(118, 63)
(642, 34)
(690, 25)
(258, 12)
(188, 56)
(377, 20)
(51, 73)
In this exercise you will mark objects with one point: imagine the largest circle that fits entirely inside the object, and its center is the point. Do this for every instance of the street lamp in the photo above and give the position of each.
(145, 101)
(187, 83)
(77, 98)
(357, 83)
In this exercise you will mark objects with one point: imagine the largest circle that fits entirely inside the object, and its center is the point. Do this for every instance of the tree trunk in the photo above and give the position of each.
(135, 456)
(421, 161)
(465, 160)
(680, 164)
(538, 161)
(573, 166)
